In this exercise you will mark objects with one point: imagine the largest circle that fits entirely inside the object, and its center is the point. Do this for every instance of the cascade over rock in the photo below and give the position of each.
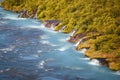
(75, 38)
(62, 28)
(23, 14)
(51, 23)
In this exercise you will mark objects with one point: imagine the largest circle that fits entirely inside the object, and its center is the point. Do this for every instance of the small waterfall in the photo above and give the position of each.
(20, 15)
(23, 14)
(34, 14)
(73, 32)
(83, 50)
(52, 26)
(78, 42)
(117, 72)
(94, 62)
(62, 28)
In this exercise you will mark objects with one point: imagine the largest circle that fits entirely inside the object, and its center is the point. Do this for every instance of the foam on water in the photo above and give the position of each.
(1, 71)
(117, 72)
(94, 62)
(63, 48)
(42, 27)
(31, 26)
(52, 31)
(15, 18)
(83, 50)
(5, 70)
(45, 37)
(47, 42)
(41, 64)
(3, 22)
(74, 68)
(39, 51)
(49, 69)
(11, 17)
(85, 59)
(10, 48)
(35, 21)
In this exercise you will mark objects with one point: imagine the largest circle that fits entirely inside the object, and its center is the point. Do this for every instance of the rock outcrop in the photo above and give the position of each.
(76, 37)
(51, 23)
(26, 14)
(23, 14)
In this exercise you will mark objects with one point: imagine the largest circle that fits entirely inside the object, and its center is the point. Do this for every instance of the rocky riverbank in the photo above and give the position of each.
(84, 41)
(95, 28)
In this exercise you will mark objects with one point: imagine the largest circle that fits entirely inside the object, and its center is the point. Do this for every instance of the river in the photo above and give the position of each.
(29, 51)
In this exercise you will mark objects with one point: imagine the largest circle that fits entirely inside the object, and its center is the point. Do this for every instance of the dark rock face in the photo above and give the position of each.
(51, 23)
(102, 61)
(75, 38)
(23, 14)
